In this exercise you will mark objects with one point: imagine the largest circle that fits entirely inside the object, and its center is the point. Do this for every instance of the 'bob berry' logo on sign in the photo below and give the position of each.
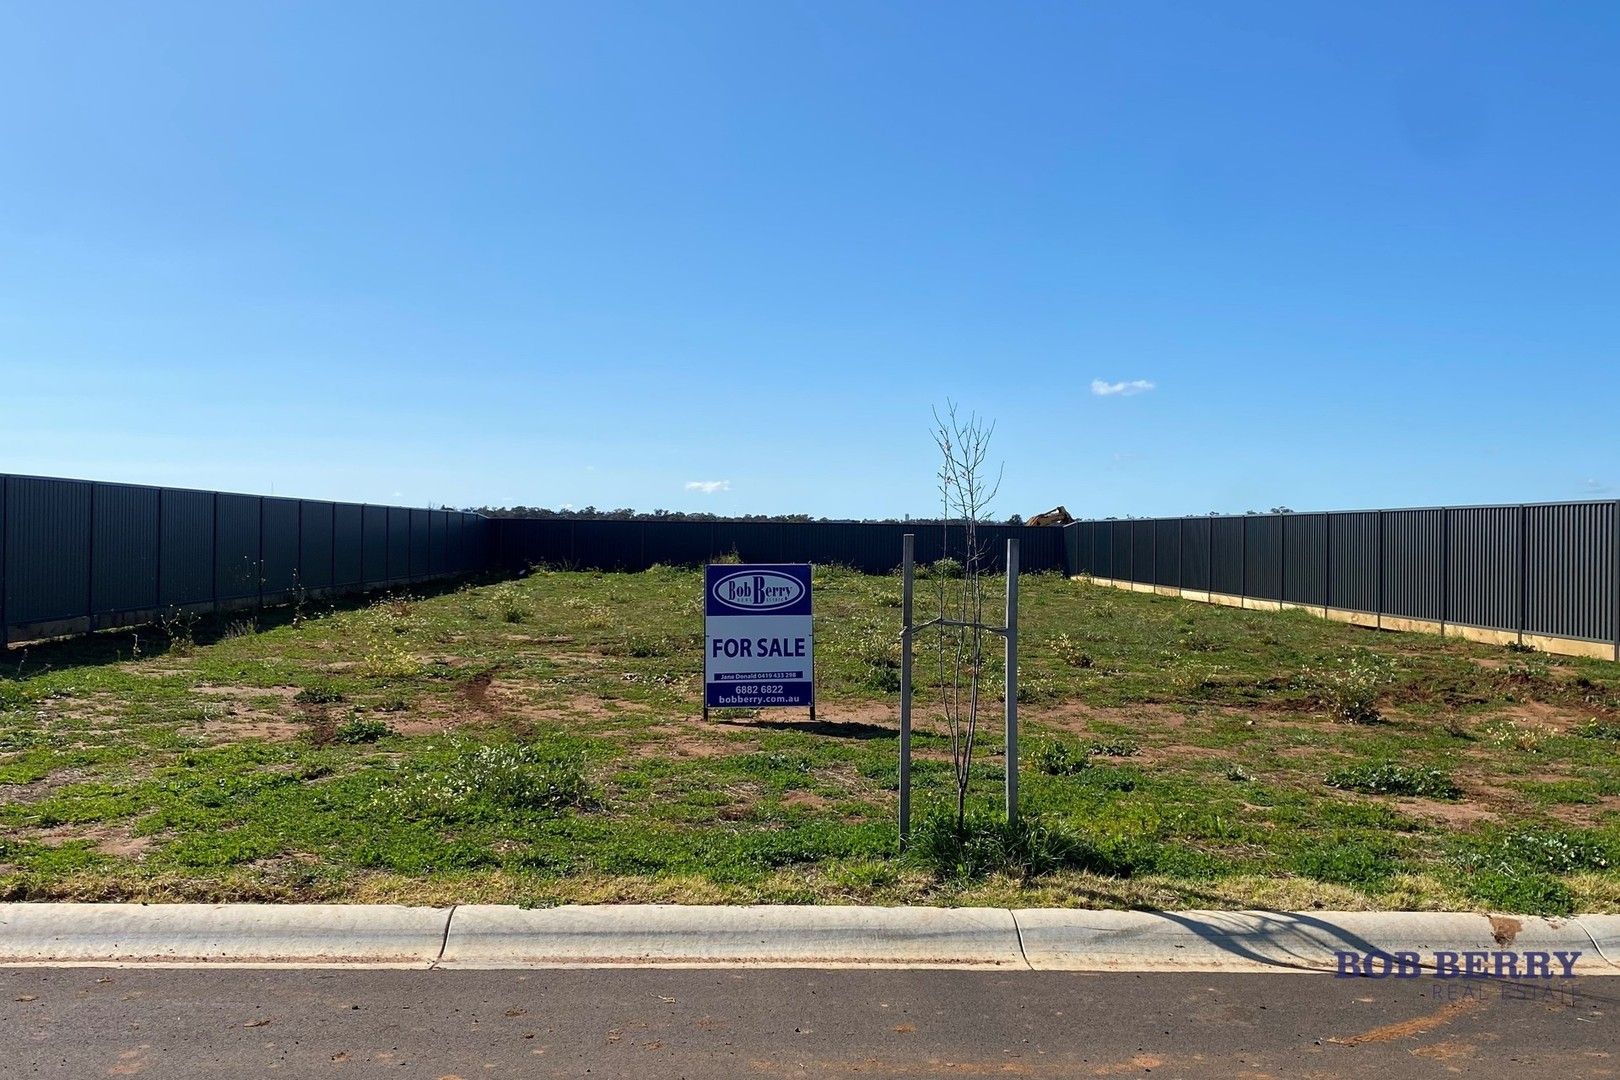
(757, 590)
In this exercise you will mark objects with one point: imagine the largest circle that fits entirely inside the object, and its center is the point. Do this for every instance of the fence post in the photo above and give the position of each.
(1445, 568)
(90, 563)
(1327, 563)
(1153, 555)
(1524, 569)
(259, 611)
(1243, 558)
(213, 551)
(1614, 582)
(1380, 612)
(1282, 559)
(1011, 640)
(907, 554)
(5, 508)
(298, 573)
(157, 586)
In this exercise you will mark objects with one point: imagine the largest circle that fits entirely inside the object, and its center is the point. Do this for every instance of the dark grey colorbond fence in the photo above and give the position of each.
(78, 555)
(868, 546)
(1547, 569)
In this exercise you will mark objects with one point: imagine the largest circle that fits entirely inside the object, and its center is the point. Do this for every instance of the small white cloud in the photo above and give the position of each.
(1122, 389)
(708, 487)
(1595, 486)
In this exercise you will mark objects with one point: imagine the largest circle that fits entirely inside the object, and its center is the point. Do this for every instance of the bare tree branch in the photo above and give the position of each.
(966, 494)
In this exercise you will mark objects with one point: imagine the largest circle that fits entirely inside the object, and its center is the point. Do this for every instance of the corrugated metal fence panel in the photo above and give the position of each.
(608, 545)
(124, 550)
(684, 543)
(1262, 555)
(1042, 549)
(519, 544)
(236, 551)
(872, 547)
(1195, 552)
(1167, 552)
(1103, 542)
(1123, 551)
(280, 547)
(1414, 560)
(1570, 570)
(315, 542)
(77, 554)
(466, 544)
(186, 536)
(375, 544)
(47, 550)
(399, 544)
(454, 553)
(864, 549)
(1355, 563)
(1482, 566)
(1142, 554)
(1077, 547)
(348, 545)
(1226, 556)
(1305, 558)
(5, 621)
(419, 544)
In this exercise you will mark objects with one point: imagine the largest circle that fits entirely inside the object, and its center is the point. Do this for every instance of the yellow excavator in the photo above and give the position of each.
(1055, 516)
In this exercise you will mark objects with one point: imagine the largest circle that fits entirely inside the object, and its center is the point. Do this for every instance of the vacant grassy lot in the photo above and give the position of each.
(540, 741)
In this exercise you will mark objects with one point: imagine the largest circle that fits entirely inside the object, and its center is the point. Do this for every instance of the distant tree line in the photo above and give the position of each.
(591, 513)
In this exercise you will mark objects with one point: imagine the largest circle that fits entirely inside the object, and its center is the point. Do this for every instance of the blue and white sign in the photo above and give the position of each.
(757, 646)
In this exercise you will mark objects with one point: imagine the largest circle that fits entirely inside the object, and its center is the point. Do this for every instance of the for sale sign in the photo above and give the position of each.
(757, 648)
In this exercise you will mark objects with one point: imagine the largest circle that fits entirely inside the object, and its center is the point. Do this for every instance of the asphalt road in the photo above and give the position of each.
(640, 1023)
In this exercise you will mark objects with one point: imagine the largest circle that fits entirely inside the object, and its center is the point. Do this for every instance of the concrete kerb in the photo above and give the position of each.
(766, 935)
(339, 934)
(771, 936)
(1069, 940)
(1605, 933)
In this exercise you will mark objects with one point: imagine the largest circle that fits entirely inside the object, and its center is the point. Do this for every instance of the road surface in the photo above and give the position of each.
(239, 1024)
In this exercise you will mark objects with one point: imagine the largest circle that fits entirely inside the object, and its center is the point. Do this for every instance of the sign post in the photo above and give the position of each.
(758, 649)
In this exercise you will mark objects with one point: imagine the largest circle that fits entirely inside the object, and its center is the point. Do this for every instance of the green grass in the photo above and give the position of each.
(541, 741)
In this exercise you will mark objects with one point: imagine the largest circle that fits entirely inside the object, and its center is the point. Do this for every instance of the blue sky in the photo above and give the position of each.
(1346, 255)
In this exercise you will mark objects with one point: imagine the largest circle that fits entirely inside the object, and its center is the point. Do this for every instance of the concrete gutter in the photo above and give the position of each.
(775, 936)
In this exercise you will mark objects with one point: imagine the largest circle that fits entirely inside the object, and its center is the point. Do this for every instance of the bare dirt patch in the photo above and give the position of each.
(675, 740)
(114, 840)
(1542, 714)
(39, 789)
(1078, 718)
(248, 712)
(807, 799)
(1454, 814)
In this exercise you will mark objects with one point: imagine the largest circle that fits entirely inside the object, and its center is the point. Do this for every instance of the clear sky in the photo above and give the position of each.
(1326, 254)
